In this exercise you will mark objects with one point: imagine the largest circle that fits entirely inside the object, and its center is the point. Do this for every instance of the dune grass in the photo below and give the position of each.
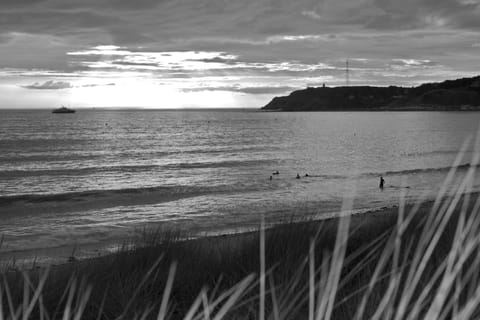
(416, 261)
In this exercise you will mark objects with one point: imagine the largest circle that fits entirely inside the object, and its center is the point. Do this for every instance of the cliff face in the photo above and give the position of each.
(449, 95)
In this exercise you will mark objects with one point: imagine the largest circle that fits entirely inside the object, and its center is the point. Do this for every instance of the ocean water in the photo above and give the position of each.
(93, 179)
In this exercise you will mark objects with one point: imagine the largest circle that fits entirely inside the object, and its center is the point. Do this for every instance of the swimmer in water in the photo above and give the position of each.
(298, 176)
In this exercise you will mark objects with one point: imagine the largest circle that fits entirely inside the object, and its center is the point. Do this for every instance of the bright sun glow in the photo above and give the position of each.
(143, 93)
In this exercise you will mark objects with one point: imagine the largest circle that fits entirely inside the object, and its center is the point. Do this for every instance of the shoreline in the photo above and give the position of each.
(404, 109)
(361, 220)
(376, 218)
(65, 255)
(221, 262)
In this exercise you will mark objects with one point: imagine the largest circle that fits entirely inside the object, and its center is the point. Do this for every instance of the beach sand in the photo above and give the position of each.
(379, 219)
(224, 260)
(361, 226)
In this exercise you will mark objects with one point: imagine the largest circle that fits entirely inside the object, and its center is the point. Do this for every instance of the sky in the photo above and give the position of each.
(224, 53)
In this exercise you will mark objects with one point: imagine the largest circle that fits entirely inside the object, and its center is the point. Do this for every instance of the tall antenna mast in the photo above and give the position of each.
(347, 73)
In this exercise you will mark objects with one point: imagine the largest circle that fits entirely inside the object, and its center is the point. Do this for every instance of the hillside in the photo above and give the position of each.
(460, 94)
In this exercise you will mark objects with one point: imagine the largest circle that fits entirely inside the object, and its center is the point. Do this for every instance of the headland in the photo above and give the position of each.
(451, 95)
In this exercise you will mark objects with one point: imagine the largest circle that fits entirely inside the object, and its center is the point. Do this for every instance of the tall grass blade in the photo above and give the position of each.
(311, 282)
(166, 292)
(261, 311)
(240, 288)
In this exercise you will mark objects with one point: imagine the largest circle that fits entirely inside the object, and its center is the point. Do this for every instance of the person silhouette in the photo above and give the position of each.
(382, 182)
(298, 176)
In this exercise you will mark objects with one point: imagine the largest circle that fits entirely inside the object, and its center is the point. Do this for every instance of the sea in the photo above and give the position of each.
(82, 184)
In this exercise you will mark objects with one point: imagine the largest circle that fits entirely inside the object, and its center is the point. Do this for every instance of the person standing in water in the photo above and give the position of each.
(382, 182)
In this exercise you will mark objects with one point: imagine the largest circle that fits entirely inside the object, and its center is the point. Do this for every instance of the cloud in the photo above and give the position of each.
(301, 37)
(266, 90)
(96, 85)
(9, 4)
(49, 85)
(413, 63)
(247, 90)
(127, 5)
(218, 59)
(111, 58)
(48, 22)
(425, 13)
(199, 63)
(59, 85)
(5, 38)
(397, 15)
(312, 14)
(249, 46)
(159, 21)
(121, 5)
(167, 23)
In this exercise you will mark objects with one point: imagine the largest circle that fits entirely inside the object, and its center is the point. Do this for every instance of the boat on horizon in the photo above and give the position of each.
(63, 109)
